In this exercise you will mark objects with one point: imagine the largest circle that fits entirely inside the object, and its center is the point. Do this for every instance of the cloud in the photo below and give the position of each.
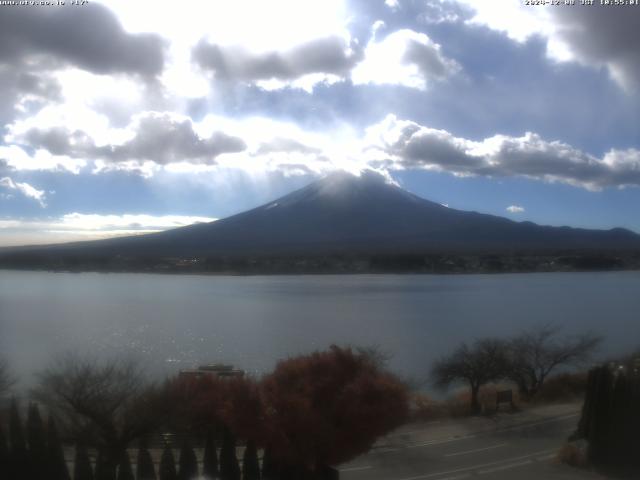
(392, 4)
(90, 38)
(82, 226)
(515, 209)
(160, 138)
(25, 189)
(401, 144)
(332, 55)
(597, 35)
(163, 139)
(156, 141)
(603, 36)
(406, 58)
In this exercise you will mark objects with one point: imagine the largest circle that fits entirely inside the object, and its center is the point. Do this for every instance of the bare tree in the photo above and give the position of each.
(477, 364)
(105, 404)
(535, 353)
(6, 380)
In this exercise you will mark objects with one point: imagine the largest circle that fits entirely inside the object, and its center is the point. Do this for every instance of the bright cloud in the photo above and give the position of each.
(402, 144)
(24, 189)
(515, 209)
(596, 35)
(406, 58)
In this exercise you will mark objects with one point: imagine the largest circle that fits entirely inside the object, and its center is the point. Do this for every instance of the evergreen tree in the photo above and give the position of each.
(36, 439)
(188, 462)
(82, 465)
(210, 459)
(56, 464)
(103, 471)
(145, 469)
(168, 465)
(125, 472)
(229, 468)
(268, 466)
(4, 457)
(19, 461)
(250, 464)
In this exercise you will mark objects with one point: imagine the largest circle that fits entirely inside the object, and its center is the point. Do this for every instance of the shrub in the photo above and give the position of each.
(210, 458)
(168, 465)
(82, 465)
(145, 469)
(563, 387)
(328, 407)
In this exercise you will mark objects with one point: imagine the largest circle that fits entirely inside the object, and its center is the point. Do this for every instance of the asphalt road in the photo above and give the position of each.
(522, 448)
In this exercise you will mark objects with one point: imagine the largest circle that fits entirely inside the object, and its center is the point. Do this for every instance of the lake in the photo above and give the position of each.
(178, 321)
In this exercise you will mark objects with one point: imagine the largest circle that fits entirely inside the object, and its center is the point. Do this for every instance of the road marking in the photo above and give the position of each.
(544, 458)
(504, 467)
(483, 465)
(476, 450)
(457, 477)
(355, 469)
(486, 432)
(411, 432)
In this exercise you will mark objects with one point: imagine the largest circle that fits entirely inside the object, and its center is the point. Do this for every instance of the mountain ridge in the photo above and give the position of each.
(349, 215)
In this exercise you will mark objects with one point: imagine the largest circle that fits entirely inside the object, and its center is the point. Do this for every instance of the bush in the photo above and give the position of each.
(145, 469)
(573, 455)
(168, 465)
(563, 387)
(82, 465)
(425, 409)
(329, 407)
(125, 472)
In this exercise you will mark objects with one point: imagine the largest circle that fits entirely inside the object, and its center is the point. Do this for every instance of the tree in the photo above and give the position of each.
(535, 353)
(269, 469)
(229, 468)
(6, 380)
(82, 465)
(210, 458)
(168, 465)
(125, 472)
(105, 469)
(188, 462)
(109, 403)
(250, 463)
(57, 465)
(145, 469)
(19, 463)
(36, 438)
(328, 407)
(477, 364)
(5, 458)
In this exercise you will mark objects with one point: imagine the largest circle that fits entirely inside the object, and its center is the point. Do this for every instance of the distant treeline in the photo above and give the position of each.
(337, 263)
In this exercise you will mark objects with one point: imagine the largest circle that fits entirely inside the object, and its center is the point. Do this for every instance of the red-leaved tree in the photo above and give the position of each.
(328, 407)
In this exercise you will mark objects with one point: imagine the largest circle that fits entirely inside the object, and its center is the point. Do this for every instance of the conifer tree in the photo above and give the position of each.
(125, 472)
(210, 459)
(168, 465)
(188, 462)
(19, 461)
(250, 463)
(56, 464)
(82, 465)
(268, 465)
(145, 469)
(229, 468)
(36, 439)
(4, 457)
(103, 470)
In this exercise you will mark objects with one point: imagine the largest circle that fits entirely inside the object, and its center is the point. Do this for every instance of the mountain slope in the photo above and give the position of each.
(343, 213)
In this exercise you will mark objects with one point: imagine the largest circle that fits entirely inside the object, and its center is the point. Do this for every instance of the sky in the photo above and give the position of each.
(120, 117)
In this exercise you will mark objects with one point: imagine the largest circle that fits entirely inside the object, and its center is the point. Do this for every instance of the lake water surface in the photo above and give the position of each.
(177, 321)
